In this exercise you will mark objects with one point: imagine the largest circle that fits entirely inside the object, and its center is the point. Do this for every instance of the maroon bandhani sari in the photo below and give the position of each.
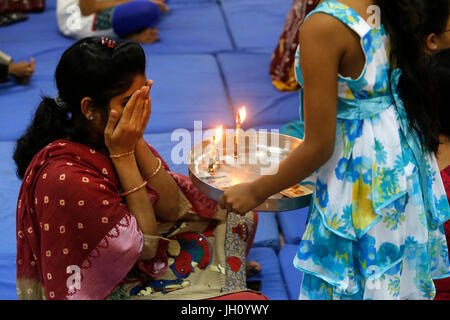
(443, 285)
(76, 238)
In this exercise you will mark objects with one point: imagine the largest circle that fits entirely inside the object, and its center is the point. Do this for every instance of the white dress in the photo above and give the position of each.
(73, 24)
(375, 228)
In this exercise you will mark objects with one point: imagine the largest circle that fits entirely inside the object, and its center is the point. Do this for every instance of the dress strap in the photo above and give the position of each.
(345, 14)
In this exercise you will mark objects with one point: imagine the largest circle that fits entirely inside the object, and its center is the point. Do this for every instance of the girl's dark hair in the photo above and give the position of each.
(440, 70)
(408, 23)
(98, 68)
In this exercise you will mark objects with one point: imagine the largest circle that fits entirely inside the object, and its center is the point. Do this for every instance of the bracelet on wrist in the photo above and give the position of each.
(120, 155)
(158, 168)
(123, 194)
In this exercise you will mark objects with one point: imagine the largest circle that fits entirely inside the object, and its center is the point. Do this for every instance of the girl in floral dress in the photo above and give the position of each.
(375, 227)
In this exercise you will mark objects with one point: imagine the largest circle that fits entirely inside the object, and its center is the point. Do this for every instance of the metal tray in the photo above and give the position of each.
(259, 153)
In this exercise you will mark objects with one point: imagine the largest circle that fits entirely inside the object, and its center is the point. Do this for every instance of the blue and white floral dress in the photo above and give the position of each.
(375, 228)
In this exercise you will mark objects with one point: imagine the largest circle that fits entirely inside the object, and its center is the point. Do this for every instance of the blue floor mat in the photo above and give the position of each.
(272, 284)
(187, 28)
(292, 224)
(194, 27)
(248, 82)
(20, 102)
(250, 18)
(31, 37)
(291, 275)
(267, 234)
(187, 88)
(9, 191)
(8, 289)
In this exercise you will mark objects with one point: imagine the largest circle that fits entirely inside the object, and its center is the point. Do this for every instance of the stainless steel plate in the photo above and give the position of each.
(259, 153)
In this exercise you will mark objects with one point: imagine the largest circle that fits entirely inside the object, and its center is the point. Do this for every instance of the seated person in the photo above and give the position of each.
(21, 71)
(282, 62)
(440, 66)
(100, 215)
(131, 19)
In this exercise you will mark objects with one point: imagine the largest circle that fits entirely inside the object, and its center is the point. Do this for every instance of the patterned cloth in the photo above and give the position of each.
(103, 20)
(208, 260)
(375, 228)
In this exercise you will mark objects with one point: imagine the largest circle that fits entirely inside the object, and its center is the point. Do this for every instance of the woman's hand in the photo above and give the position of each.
(241, 198)
(122, 135)
(149, 84)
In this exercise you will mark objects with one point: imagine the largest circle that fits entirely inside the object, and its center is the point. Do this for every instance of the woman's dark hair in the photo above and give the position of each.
(408, 23)
(98, 68)
(440, 71)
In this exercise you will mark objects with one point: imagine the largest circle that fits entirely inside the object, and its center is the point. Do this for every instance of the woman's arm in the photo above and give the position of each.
(321, 52)
(88, 7)
(166, 207)
(121, 137)
(138, 202)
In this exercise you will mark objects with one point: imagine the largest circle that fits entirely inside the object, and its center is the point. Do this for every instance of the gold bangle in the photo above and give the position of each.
(114, 156)
(156, 170)
(133, 190)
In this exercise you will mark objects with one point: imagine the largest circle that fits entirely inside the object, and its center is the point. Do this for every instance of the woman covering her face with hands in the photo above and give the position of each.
(97, 207)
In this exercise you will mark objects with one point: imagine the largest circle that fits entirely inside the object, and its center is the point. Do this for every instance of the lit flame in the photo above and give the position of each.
(242, 114)
(217, 135)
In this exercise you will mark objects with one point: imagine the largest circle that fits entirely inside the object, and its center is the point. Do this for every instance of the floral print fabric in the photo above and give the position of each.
(375, 228)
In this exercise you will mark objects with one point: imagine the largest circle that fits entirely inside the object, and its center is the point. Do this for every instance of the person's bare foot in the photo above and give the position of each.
(146, 36)
(252, 268)
(162, 6)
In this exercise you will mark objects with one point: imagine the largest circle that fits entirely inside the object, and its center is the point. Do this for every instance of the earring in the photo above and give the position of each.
(91, 117)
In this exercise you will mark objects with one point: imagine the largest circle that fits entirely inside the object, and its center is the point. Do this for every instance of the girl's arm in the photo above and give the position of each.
(321, 52)
(89, 7)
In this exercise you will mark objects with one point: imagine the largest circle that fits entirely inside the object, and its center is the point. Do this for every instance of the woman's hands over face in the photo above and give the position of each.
(122, 132)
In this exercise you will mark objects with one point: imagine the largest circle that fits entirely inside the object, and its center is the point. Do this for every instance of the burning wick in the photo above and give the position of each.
(240, 118)
(212, 158)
